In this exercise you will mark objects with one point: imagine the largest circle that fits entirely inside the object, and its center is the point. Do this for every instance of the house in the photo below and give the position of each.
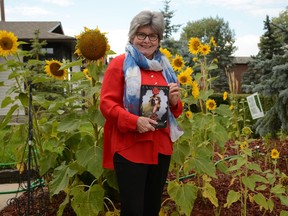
(59, 46)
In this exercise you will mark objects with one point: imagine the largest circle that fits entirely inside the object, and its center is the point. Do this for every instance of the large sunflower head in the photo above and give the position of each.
(52, 69)
(185, 78)
(92, 44)
(211, 104)
(177, 63)
(8, 43)
(193, 45)
(204, 49)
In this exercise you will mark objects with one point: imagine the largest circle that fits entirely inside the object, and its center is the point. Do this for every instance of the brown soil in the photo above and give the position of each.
(202, 206)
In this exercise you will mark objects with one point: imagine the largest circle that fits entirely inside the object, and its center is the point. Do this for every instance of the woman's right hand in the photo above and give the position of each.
(145, 124)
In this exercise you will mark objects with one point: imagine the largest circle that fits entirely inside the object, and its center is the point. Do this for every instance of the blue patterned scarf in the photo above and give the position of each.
(135, 60)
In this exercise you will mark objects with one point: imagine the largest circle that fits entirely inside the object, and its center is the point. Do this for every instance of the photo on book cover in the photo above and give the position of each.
(154, 103)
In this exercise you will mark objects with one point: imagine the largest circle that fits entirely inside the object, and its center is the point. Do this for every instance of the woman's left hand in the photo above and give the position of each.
(174, 94)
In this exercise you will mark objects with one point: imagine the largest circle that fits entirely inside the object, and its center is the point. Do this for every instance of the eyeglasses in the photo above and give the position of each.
(142, 36)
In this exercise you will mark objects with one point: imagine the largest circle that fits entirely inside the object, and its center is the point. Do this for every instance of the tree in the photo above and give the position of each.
(206, 28)
(168, 15)
(267, 74)
(270, 43)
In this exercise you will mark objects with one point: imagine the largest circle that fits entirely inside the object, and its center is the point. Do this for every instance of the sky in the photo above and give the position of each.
(245, 17)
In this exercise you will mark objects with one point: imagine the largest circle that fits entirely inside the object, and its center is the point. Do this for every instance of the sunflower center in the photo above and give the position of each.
(54, 68)
(211, 105)
(183, 79)
(93, 45)
(196, 45)
(6, 43)
(178, 63)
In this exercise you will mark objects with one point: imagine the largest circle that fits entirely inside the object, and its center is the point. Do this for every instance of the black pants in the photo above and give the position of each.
(141, 185)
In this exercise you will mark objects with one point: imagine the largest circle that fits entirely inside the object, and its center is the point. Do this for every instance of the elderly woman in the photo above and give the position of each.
(139, 153)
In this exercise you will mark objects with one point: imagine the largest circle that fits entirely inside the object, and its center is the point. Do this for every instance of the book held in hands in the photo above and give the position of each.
(154, 103)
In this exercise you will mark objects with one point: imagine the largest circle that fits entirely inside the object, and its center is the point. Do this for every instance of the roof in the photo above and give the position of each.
(25, 30)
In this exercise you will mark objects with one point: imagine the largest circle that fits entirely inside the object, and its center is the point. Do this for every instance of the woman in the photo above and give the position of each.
(139, 153)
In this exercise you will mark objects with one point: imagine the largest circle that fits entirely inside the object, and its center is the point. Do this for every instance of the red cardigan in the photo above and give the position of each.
(120, 134)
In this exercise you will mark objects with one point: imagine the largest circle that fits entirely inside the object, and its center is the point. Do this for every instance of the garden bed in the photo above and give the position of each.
(202, 206)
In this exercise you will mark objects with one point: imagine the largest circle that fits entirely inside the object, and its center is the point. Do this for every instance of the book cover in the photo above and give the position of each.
(154, 103)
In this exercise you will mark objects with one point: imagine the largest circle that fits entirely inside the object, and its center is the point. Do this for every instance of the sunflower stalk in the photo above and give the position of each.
(16, 77)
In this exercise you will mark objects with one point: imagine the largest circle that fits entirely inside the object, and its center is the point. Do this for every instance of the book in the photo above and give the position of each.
(154, 103)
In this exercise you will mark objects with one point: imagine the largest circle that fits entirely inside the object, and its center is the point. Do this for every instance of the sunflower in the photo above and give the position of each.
(204, 49)
(177, 63)
(231, 107)
(92, 45)
(246, 131)
(86, 73)
(185, 78)
(166, 52)
(244, 145)
(211, 104)
(225, 95)
(195, 59)
(8, 43)
(274, 154)
(52, 69)
(213, 42)
(195, 89)
(215, 61)
(193, 45)
(188, 114)
(189, 70)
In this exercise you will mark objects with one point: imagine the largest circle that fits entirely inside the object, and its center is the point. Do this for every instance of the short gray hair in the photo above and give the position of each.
(154, 19)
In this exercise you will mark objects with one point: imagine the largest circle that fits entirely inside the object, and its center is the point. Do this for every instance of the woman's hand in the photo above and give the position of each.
(145, 124)
(174, 94)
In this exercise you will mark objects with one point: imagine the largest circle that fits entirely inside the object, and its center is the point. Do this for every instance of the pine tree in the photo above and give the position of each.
(168, 15)
(270, 44)
(260, 68)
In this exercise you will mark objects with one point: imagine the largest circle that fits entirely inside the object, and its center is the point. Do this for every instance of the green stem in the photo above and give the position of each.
(245, 187)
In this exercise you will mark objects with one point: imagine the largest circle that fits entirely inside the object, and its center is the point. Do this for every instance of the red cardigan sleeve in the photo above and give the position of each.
(111, 97)
(177, 110)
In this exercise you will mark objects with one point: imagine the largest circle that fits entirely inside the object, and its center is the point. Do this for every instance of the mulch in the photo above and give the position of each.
(44, 206)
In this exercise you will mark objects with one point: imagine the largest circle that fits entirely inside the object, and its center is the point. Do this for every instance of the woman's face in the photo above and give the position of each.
(146, 41)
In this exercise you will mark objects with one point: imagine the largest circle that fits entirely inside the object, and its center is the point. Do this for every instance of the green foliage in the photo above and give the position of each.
(67, 129)
(269, 44)
(11, 137)
(184, 195)
(253, 181)
(267, 74)
(204, 29)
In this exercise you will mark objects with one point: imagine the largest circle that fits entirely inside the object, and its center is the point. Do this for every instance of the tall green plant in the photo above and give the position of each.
(204, 129)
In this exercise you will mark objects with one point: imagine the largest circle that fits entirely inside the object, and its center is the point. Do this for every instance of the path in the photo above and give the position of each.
(5, 188)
